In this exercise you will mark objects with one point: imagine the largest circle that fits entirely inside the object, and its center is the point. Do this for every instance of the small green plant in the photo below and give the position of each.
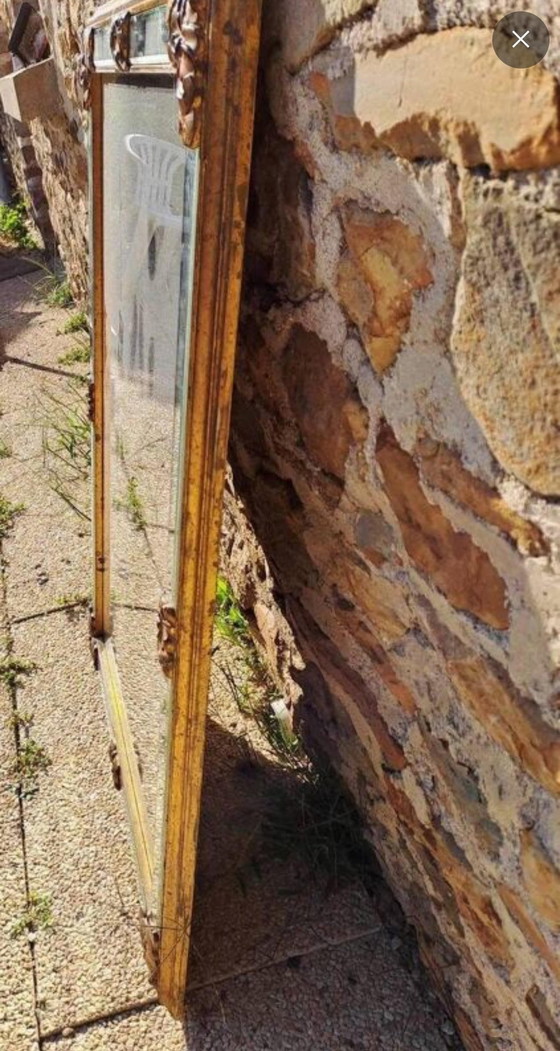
(230, 621)
(76, 323)
(120, 448)
(67, 446)
(31, 760)
(8, 514)
(314, 822)
(13, 225)
(21, 720)
(5, 450)
(133, 504)
(14, 669)
(73, 598)
(78, 355)
(37, 915)
(57, 292)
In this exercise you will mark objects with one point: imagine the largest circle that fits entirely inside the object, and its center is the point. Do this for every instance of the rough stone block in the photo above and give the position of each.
(507, 332)
(389, 100)
(511, 721)
(387, 264)
(443, 469)
(308, 25)
(329, 413)
(541, 878)
(451, 560)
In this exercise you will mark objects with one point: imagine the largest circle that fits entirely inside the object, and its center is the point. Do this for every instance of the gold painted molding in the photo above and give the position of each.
(225, 144)
(219, 116)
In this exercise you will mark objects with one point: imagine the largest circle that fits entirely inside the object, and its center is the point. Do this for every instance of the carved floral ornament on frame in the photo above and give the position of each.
(186, 51)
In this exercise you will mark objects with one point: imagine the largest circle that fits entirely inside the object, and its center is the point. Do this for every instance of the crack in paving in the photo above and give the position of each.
(12, 688)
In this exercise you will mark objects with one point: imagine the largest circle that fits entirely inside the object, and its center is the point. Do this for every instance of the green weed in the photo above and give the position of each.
(57, 292)
(21, 720)
(8, 514)
(313, 822)
(31, 760)
(120, 447)
(257, 695)
(76, 323)
(231, 623)
(14, 669)
(133, 505)
(67, 446)
(78, 355)
(5, 450)
(37, 915)
(73, 598)
(14, 225)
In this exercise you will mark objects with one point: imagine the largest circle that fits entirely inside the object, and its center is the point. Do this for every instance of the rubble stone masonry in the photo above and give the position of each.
(396, 447)
(393, 525)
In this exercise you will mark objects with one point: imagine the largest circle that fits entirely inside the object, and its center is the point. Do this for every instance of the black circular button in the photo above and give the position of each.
(520, 39)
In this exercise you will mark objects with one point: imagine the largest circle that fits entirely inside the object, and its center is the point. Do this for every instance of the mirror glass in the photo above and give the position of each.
(149, 191)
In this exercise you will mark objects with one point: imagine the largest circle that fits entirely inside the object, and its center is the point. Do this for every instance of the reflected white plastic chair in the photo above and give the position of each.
(158, 164)
(160, 204)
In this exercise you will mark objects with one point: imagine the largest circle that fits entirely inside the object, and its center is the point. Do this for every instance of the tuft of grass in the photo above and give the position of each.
(21, 720)
(37, 915)
(5, 450)
(76, 323)
(67, 446)
(78, 355)
(14, 225)
(31, 760)
(314, 823)
(120, 447)
(133, 504)
(231, 623)
(57, 292)
(73, 598)
(257, 696)
(13, 670)
(8, 514)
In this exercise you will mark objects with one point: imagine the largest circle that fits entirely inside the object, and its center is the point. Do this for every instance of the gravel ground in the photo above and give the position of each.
(278, 961)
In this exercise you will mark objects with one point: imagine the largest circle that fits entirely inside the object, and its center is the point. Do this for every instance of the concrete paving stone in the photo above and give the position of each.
(31, 329)
(46, 551)
(151, 1029)
(44, 573)
(18, 1028)
(347, 996)
(76, 832)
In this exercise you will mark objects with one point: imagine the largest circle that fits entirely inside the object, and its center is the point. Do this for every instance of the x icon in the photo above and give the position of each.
(520, 39)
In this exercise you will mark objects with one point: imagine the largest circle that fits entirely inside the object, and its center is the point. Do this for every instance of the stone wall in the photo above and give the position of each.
(396, 447)
(57, 144)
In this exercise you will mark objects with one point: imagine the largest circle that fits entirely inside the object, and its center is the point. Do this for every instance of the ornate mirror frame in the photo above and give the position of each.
(213, 49)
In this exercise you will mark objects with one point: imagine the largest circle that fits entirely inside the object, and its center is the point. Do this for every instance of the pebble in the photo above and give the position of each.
(68, 1031)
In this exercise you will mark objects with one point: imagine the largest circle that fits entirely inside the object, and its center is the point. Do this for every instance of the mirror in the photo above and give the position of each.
(149, 189)
(171, 89)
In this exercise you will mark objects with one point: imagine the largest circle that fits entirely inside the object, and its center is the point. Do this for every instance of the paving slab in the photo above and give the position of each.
(347, 996)
(151, 1029)
(18, 1027)
(48, 558)
(76, 833)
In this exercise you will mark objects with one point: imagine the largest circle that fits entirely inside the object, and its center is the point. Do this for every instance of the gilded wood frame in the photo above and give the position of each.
(231, 29)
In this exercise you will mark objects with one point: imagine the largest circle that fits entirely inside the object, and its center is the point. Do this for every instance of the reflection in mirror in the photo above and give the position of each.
(150, 184)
